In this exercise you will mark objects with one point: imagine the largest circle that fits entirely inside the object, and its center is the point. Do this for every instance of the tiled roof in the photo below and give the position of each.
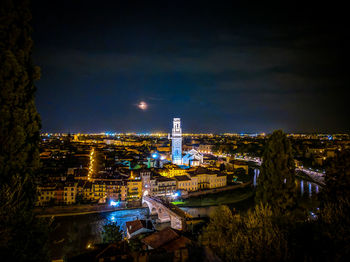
(161, 238)
(182, 178)
(177, 244)
(136, 225)
(164, 179)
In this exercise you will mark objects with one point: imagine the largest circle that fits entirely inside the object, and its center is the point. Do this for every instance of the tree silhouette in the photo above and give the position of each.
(276, 182)
(20, 233)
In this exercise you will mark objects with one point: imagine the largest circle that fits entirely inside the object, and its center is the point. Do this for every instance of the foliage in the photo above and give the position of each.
(337, 179)
(281, 232)
(254, 149)
(334, 220)
(276, 182)
(111, 233)
(135, 243)
(76, 237)
(238, 195)
(251, 237)
(23, 237)
(241, 175)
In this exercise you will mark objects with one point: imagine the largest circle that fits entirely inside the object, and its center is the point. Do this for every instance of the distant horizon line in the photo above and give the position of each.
(194, 133)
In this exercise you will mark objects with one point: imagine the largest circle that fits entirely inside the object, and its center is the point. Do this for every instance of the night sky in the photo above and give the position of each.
(219, 66)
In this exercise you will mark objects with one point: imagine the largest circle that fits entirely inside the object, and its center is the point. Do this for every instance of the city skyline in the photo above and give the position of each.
(221, 66)
(173, 131)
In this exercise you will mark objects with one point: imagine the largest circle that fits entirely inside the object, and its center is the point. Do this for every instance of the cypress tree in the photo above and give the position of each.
(276, 182)
(21, 234)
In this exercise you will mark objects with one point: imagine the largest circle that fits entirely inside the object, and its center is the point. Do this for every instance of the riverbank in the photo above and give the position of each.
(218, 198)
(217, 190)
(87, 212)
(76, 210)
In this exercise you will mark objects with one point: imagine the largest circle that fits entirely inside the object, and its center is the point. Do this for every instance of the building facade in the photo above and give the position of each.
(186, 183)
(176, 145)
(134, 189)
(193, 158)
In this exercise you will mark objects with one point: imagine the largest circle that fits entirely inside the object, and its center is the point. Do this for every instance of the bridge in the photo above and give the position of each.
(167, 212)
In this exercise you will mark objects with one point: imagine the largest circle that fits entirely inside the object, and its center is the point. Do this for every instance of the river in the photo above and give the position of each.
(73, 234)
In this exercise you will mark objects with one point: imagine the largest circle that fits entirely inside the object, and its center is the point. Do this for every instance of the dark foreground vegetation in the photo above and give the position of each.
(22, 236)
(279, 228)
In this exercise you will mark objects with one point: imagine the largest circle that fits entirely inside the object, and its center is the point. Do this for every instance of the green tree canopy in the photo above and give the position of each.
(276, 182)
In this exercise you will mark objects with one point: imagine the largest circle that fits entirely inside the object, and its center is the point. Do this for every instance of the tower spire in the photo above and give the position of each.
(176, 148)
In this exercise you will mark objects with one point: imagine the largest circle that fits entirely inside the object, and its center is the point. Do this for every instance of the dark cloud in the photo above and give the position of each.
(220, 66)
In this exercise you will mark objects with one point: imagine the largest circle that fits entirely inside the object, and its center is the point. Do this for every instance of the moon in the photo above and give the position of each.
(142, 105)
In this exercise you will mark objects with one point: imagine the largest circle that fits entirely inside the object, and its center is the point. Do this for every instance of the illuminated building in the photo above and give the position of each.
(208, 179)
(46, 194)
(176, 145)
(134, 189)
(113, 189)
(205, 149)
(99, 188)
(186, 183)
(70, 191)
(163, 186)
(193, 158)
(146, 180)
(88, 193)
(172, 170)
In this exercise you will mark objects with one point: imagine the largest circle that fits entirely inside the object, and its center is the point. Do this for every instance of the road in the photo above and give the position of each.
(314, 175)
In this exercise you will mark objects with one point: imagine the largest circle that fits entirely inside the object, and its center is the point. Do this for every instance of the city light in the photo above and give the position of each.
(176, 194)
(91, 167)
(155, 155)
(114, 203)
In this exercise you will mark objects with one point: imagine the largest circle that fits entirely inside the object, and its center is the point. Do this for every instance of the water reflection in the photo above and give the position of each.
(122, 216)
(307, 186)
(200, 211)
(310, 189)
(256, 175)
(302, 187)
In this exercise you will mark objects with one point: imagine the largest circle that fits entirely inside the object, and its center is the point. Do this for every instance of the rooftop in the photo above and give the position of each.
(133, 226)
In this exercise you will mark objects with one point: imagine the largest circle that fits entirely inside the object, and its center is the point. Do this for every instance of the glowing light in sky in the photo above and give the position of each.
(142, 105)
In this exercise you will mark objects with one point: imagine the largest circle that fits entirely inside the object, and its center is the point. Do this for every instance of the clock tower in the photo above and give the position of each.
(176, 145)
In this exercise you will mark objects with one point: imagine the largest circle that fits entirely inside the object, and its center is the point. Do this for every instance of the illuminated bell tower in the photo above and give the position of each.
(176, 145)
